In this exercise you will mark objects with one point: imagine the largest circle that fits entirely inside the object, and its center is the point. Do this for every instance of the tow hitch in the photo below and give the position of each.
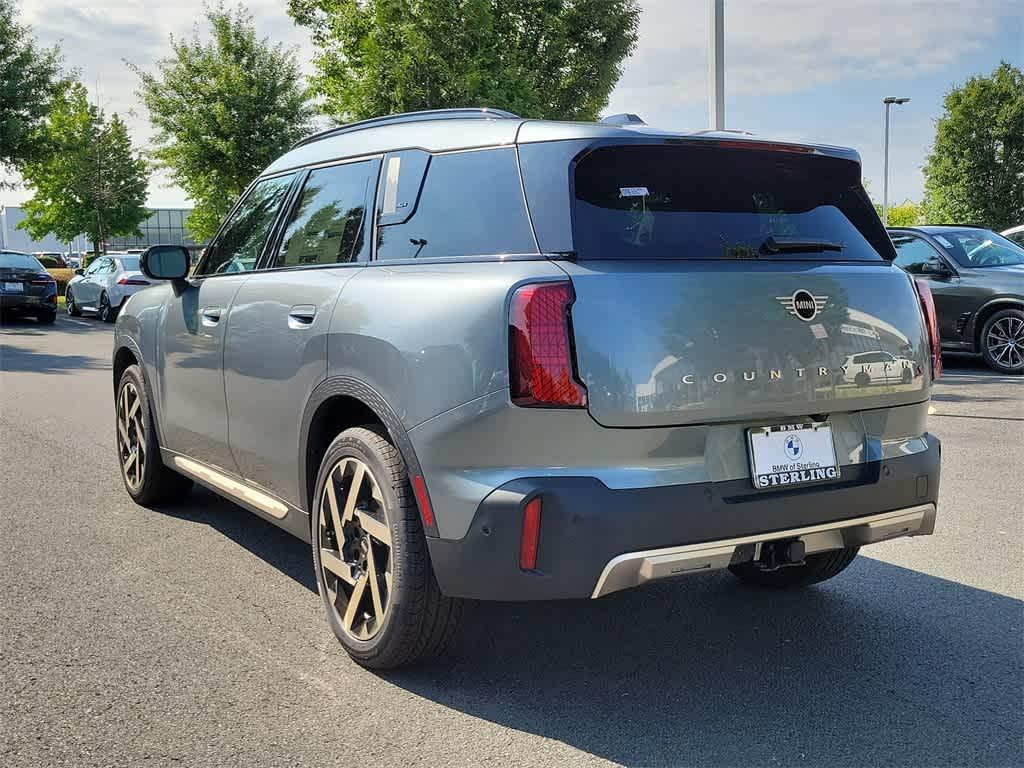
(780, 554)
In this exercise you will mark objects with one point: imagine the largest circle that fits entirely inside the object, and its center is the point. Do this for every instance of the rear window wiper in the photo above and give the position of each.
(798, 245)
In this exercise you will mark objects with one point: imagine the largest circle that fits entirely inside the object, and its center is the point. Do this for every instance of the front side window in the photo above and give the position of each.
(329, 223)
(913, 253)
(241, 240)
(980, 248)
(471, 204)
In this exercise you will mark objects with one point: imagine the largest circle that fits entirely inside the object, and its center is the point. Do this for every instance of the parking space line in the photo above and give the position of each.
(77, 322)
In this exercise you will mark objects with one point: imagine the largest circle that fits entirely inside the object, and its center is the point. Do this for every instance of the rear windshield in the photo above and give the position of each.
(694, 202)
(19, 261)
(130, 263)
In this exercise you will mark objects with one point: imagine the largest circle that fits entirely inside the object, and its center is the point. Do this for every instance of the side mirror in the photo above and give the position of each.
(79, 271)
(935, 268)
(165, 262)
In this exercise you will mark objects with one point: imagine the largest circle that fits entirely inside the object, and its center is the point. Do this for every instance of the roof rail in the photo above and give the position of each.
(481, 113)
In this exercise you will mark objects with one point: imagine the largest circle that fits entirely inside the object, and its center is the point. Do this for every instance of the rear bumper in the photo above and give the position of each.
(13, 302)
(595, 540)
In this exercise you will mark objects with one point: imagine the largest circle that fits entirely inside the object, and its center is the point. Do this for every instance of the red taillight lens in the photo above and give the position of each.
(540, 348)
(530, 536)
(931, 321)
(125, 280)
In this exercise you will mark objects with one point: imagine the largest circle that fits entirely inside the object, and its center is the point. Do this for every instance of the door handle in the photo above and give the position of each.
(211, 315)
(301, 316)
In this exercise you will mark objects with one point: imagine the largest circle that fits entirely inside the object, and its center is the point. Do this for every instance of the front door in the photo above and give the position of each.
(276, 348)
(194, 409)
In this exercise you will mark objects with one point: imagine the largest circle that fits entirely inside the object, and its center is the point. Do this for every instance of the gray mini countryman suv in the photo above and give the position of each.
(470, 355)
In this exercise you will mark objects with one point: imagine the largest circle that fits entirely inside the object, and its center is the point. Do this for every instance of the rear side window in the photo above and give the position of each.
(471, 204)
(328, 224)
(712, 202)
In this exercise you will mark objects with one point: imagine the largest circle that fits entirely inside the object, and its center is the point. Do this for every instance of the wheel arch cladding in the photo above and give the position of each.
(123, 357)
(337, 404)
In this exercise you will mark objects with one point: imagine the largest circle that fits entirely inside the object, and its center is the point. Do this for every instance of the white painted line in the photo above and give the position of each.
(78, 322)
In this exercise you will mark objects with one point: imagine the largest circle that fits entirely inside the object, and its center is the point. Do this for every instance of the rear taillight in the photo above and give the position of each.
(924, 293)
(540, 348)
(125, 280)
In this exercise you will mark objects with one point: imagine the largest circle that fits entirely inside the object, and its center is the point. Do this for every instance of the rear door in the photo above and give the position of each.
(720, 281)
(276, 347)
(191, 336)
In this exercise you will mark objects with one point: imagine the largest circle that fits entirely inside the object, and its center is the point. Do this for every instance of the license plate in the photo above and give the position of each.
(14, 288)
(792, 454)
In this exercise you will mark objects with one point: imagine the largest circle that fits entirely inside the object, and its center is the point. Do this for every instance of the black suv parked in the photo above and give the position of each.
(977, 281)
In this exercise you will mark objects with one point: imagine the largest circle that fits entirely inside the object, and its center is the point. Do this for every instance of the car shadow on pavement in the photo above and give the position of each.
(880, 666)
(276, 547)
(26, 360)
(883, 665)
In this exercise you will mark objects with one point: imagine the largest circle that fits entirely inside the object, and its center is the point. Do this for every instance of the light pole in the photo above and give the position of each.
(716, 65)
(888, 101)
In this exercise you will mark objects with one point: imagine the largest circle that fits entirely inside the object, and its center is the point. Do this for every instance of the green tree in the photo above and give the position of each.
(906, 214)
(554, 59)
(975, 172)
(88, 179)
(28, 82)
(223, 109)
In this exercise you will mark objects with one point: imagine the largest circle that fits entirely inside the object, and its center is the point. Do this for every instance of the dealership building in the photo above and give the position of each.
(164, 226)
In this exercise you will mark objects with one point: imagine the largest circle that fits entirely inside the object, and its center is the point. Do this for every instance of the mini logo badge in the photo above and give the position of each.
(803, 304)
(794, 448)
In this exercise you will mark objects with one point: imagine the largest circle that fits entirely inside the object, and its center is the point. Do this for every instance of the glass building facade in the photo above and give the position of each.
(166, 226)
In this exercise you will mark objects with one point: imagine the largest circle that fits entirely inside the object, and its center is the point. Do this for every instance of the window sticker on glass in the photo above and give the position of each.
(633, 192)
(944, 241)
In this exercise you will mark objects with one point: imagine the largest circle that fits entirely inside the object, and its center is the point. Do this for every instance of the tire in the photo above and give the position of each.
(862, 379)
(106, 313)
(817, 567)
(396, 577)
(146, 478)
(1002, 341)
(47, 318)
(69, 303)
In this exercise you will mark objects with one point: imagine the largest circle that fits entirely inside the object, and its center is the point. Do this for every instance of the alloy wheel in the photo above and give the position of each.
(131, 435)
(104, 310)
(355, 548)
(1005, 341)
(69, 301)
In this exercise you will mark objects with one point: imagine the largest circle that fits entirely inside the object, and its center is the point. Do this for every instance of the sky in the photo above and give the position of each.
(795, 69)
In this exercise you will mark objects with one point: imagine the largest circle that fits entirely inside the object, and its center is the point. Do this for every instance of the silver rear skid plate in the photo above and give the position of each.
(635, 568)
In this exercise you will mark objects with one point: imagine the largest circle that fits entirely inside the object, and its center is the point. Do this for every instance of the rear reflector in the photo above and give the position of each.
(540, 348)
(426, 511)
(530, 535)
(924, 293)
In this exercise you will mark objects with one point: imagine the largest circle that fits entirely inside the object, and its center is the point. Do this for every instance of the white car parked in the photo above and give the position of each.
(104, 285)
(878, 368)
(1016, 234)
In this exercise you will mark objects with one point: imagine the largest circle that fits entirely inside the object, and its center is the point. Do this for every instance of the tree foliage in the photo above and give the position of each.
(906, 214)
(975, 172)
(87, 178)
(223, 109)
(29, 79)
(555, 59)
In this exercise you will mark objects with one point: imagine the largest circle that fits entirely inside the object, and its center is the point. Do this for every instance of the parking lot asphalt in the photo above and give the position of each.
(193, 635)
